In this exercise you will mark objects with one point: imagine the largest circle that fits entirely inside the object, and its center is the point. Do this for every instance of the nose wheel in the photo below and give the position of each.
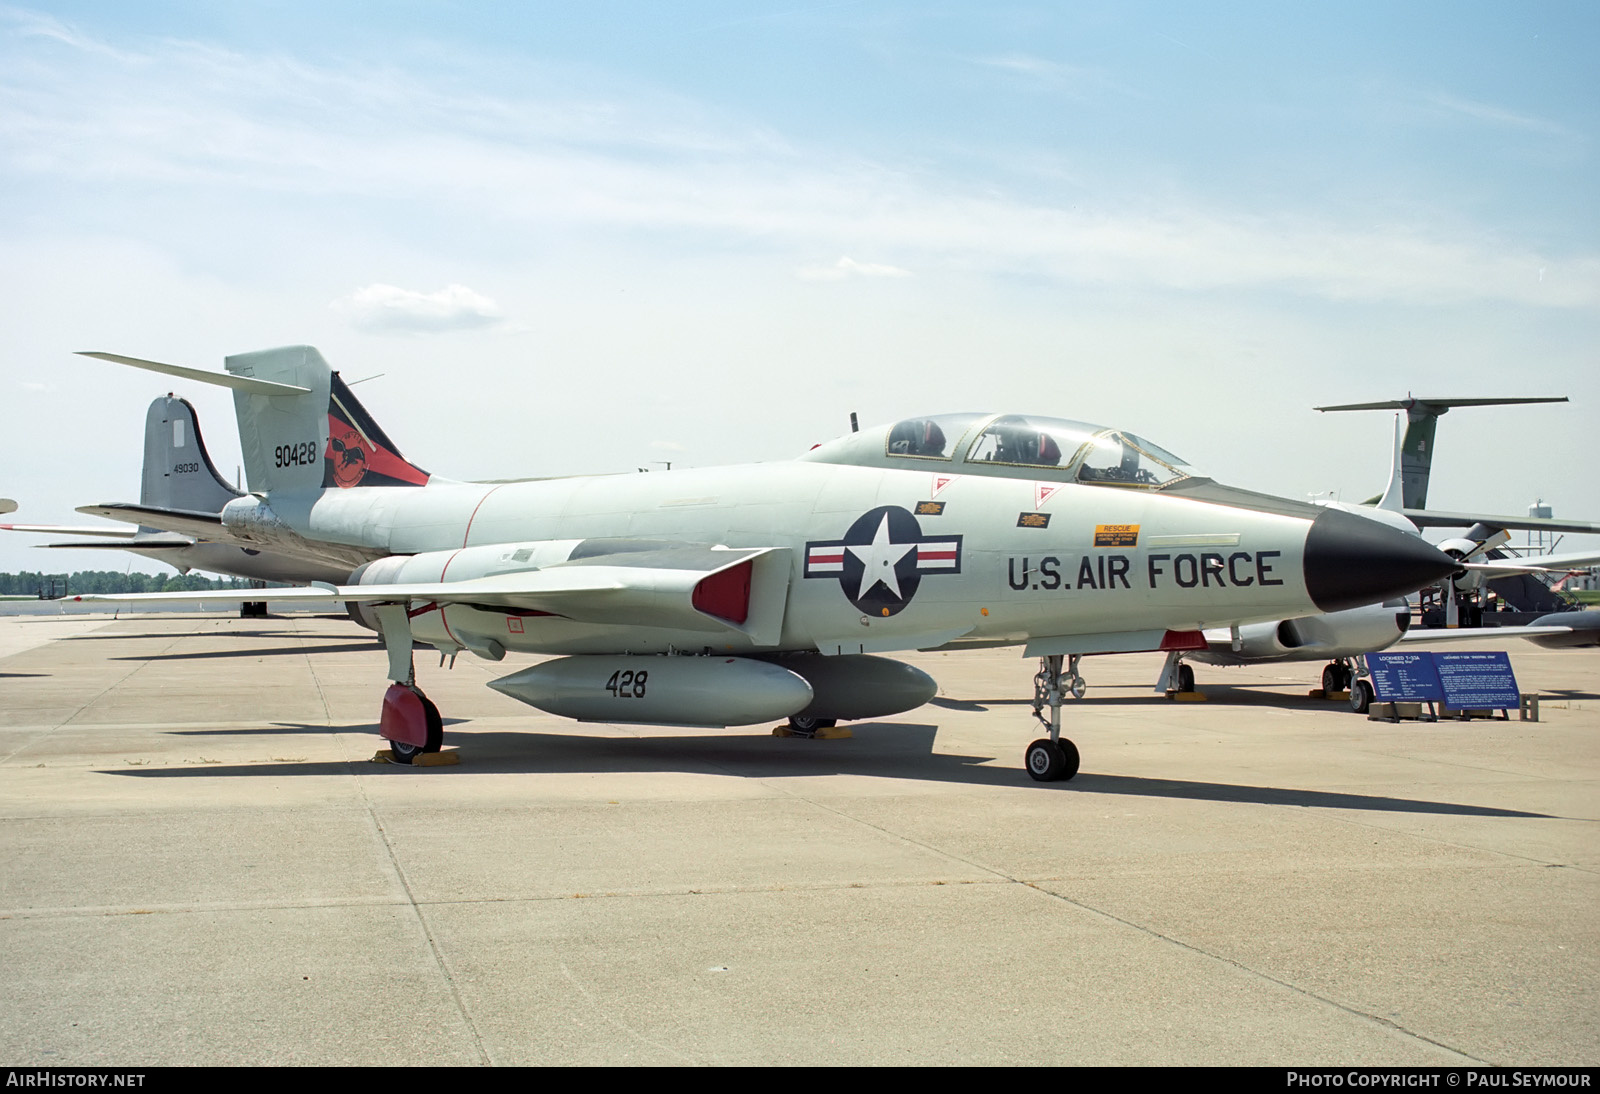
(1055, 757)
(1049, 760)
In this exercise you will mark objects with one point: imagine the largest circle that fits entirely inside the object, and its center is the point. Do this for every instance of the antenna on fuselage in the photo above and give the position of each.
(854, 426)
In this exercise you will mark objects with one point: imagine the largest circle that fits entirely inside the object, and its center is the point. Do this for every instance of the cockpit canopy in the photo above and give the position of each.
(1002, 444)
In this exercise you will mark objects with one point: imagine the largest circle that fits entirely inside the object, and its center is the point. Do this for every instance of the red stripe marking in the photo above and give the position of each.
(465, 536)
(443, 618)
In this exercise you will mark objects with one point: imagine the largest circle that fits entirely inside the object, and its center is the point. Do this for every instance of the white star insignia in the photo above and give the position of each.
(878, 560)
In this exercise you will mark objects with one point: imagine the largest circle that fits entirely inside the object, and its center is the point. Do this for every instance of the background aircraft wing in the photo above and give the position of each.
(1433, 518)
(1461, 634)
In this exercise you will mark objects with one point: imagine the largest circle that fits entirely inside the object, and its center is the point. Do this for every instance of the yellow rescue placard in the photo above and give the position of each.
(1116, 535)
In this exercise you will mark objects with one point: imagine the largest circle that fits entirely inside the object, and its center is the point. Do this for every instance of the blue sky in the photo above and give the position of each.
(585, 237)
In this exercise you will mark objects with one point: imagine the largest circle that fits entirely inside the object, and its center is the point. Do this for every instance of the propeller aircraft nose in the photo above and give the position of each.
(1351, 561)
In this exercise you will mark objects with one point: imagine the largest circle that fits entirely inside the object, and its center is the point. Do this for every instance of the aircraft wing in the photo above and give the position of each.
(1536, 564)
(1461, 634)
(1433, 518)
(698, 588)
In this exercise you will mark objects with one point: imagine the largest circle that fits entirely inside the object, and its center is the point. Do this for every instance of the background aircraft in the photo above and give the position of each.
(179, 480)
(768, 588)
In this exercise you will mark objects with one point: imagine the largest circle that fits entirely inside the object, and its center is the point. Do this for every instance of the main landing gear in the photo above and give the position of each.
(1177, 677)
(1055, 757)
(410, 722)
(1348, 674)
(808, 727)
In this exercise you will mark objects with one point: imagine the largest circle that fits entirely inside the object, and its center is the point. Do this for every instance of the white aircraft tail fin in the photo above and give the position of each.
(1394, 497)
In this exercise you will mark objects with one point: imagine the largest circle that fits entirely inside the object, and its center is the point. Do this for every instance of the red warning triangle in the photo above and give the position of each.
(1042, 492)
(940, 482)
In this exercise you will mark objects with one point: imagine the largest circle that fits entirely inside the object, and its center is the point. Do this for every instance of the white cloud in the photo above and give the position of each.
(386, 309)
(849, 267)
(1490, 114)
(328, 138)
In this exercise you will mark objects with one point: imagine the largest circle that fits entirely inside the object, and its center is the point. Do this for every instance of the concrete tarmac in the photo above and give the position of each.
(200, 866)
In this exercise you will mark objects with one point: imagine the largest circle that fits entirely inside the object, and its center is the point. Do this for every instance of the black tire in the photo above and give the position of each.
(1069, 754)
(404, 752)
(435, 724)
(1045, 762)
(1185, 679)
(1332, 679)
(1360, 696)
(811, 725)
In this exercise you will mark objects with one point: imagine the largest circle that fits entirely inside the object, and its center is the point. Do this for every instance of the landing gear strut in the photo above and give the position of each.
(1055, 757)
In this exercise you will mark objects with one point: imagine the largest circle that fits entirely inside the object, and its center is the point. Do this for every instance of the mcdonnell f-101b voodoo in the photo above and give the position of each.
(735, 595)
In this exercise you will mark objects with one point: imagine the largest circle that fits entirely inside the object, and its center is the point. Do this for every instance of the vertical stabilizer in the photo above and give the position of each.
(323, 439)
(1416, 454)
(283, 437)
(1394, 496)
(178, 472)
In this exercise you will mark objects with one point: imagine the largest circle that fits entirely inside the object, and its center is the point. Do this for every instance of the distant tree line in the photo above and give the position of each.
(29, 583)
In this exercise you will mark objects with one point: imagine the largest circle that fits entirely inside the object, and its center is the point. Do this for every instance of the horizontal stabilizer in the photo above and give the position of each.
(70, 530)
(1441, 404)
(220, 379)
(187, 521)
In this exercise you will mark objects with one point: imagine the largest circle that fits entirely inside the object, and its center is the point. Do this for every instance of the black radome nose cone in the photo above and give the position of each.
(1351, 561)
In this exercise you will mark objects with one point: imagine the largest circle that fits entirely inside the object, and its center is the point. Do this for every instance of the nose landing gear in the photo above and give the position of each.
(1055, 757)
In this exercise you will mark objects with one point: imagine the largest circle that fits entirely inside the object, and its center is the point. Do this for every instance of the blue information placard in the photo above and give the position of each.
(1405, 678)
(1478, 681)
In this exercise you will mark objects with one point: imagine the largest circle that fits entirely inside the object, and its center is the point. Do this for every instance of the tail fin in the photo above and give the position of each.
(300, 428)
(178, 472)
(1422, 415)
(321, 439)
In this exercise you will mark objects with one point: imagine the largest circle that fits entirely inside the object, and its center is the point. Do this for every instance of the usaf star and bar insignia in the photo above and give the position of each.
(882, 559)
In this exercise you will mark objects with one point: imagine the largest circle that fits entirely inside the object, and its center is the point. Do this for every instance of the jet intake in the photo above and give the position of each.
(664, 690)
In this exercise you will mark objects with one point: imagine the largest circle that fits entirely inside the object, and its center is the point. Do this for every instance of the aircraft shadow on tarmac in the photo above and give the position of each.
(298, 636)
(255, 651)
(1261, 695)
(884, 750)
(291, 727)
